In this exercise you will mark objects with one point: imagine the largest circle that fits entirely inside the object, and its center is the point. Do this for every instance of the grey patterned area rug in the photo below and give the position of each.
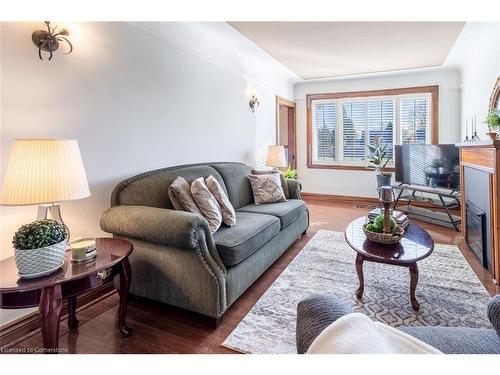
(449, 292)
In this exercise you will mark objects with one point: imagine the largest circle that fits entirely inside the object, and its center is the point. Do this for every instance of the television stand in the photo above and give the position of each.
(436, 197)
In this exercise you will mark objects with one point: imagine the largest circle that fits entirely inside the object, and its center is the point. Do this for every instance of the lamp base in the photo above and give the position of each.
(55, 213)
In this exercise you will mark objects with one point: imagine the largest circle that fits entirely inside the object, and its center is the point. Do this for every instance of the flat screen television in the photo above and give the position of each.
(428, 165)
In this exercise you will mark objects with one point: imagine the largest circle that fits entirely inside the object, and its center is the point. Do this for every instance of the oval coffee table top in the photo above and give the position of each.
(415, 245)
(110, 251)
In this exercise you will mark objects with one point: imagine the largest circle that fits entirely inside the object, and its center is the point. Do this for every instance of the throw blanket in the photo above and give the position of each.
(357, 334)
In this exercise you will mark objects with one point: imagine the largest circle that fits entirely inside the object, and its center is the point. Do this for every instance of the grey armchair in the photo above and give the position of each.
(318, 312)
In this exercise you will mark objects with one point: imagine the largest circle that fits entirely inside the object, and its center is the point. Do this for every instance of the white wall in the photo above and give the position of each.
(137, 97)
(476, 53)
(362, 183)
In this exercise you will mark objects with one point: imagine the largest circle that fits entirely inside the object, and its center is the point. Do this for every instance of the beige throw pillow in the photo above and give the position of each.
(180, 196)
(267, 188)
(284, 183)
(227, 209)
(207, 204)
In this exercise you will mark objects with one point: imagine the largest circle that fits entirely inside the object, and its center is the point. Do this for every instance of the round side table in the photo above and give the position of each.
(415, 245)
(48, 292)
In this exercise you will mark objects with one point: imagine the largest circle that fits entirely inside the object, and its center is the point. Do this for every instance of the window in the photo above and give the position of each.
(341, 125)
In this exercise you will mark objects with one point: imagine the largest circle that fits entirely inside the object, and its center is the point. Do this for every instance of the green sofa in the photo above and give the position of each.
(177, 261)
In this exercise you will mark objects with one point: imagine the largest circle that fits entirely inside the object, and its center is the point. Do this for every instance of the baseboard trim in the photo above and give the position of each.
(339, 198)
(28, 325)
(352, 199)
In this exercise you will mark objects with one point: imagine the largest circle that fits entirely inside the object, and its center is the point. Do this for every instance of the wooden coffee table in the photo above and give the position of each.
(416, 245)
(48, 292)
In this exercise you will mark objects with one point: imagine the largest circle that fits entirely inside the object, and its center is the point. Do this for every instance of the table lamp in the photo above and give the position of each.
(276, 157)
(44, 172)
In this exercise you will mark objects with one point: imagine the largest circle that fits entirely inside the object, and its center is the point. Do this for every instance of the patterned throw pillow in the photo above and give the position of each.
(284, 183)
(267, 188)
(227, 209)
(207, 204)
(180, 196)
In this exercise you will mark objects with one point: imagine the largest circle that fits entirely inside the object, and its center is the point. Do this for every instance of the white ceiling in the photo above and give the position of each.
(329, 49)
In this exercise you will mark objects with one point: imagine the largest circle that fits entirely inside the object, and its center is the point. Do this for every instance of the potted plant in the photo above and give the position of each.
(39, 247)
(290, 173)
(378, 160)
(493, 121)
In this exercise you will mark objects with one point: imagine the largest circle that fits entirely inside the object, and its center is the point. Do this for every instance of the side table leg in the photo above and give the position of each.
(50, 312)
(125, 276)
(72, 321)
(413, 286)
(359, 270)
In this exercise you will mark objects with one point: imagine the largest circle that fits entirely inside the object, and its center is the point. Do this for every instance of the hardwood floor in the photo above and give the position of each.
(160, 329)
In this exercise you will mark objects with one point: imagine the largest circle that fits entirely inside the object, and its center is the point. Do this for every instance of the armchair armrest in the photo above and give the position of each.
(493, 311)
(160, 225)
(314, 314)
(294, 188)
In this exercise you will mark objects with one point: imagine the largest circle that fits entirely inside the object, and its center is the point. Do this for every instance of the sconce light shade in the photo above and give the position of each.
(254, 102)
(276, 156)
(44, 171)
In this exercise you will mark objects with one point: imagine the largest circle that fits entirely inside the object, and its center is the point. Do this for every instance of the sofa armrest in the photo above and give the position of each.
(493, 311)
(159, 225)
(294, 188)
(314, 314)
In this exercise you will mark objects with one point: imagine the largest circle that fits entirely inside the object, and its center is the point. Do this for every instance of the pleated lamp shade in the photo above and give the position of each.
(276, 156)
(43, 171)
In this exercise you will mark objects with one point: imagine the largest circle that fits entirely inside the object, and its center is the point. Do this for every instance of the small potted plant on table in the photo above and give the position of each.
(39, 247)
(378, 160)
(493, 121)
(290, 173)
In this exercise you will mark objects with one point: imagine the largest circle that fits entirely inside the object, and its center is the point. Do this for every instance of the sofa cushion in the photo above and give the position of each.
(266, 188)
(207, 204)
(251, 231)
(180, 195)
(287, 212)
(226, 208)
(235, 176)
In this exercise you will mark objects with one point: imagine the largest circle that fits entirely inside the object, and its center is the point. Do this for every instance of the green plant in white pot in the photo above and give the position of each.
(39, 247)
(493, 121)
(378, 160)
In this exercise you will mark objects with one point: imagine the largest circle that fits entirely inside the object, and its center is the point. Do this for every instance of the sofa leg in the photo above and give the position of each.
(214, 322)
(304, 233)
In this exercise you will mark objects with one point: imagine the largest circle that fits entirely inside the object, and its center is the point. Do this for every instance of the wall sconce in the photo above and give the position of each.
(253, 102)
(48, 40)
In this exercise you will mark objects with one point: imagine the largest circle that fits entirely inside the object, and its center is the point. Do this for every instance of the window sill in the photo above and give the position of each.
(345, 167)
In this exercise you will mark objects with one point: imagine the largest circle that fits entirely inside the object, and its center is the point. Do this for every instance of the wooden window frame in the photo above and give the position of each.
(433, 90)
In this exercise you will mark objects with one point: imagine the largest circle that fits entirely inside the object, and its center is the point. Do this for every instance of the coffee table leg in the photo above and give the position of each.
(359, 270)
(72, 321)
(413, 286)
(50, 312)
(125, 275)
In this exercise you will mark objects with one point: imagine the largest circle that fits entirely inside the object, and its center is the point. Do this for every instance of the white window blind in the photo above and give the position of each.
(343, 127)
(324, 131)
(353, 130)
(415, 120)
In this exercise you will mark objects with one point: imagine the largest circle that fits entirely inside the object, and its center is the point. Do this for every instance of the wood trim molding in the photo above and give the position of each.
(351, 199)
(433, 90)
(339, 198)
(281, 101)
(18, 330)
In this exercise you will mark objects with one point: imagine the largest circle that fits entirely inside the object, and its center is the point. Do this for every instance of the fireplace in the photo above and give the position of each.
(476, 231)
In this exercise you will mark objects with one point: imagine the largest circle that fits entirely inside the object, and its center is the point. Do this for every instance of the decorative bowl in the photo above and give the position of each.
(385, 238)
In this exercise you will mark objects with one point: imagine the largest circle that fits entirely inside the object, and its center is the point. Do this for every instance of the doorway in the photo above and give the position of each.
(285, 129)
